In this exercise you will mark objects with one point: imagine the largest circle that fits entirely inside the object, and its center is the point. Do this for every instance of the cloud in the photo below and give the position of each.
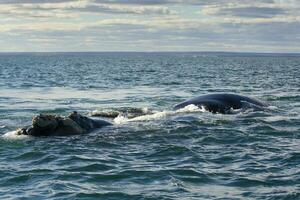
(221, 8)
(252, 12)
(14, 12)
(85, 6)
(32, 1)
(127, 9)
(269, 25)
(127, 2)
(80, 6)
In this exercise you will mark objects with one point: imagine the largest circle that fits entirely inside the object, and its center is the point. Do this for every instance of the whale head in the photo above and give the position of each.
(45, 121)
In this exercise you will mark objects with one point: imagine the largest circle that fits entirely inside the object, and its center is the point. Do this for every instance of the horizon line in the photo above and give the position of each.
(234, 52)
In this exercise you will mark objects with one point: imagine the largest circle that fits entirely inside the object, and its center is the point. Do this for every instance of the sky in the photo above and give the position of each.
(150, 25)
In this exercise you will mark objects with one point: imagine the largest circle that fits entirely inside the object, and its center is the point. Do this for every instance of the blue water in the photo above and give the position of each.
(167, 155)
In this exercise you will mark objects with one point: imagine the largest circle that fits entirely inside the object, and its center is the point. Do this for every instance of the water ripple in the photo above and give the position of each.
(191, 154)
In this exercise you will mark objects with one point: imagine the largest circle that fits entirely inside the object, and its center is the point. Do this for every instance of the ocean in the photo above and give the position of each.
(165, 154)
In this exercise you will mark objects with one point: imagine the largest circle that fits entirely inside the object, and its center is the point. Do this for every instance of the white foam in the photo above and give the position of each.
(144, 110)
(121, 119)
(277, 118)
(13, 135)
(94, 112)
(191, 108)
(272, 107)
(159, 114)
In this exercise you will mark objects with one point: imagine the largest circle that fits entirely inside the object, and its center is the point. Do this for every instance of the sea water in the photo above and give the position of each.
(161, 154)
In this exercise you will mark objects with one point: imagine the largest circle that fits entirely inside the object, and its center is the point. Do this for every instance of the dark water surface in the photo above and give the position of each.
(166, 155)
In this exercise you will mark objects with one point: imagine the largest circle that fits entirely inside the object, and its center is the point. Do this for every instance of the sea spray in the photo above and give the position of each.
(159, 114)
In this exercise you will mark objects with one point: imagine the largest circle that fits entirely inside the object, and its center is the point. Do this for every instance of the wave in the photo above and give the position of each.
(159, 114)
(115, 112)
(13, 135)
(124, 115)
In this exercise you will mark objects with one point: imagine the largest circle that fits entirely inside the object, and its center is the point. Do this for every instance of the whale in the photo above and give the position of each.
(223, 103)
(75, 123)
(87, 123)
(53, 125)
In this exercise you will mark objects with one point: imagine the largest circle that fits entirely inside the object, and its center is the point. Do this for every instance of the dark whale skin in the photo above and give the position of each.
(74, 124)
(88, 123)
(222, 103)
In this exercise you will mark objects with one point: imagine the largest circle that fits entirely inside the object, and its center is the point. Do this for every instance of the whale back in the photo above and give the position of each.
(221, 103)
(87, 123)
